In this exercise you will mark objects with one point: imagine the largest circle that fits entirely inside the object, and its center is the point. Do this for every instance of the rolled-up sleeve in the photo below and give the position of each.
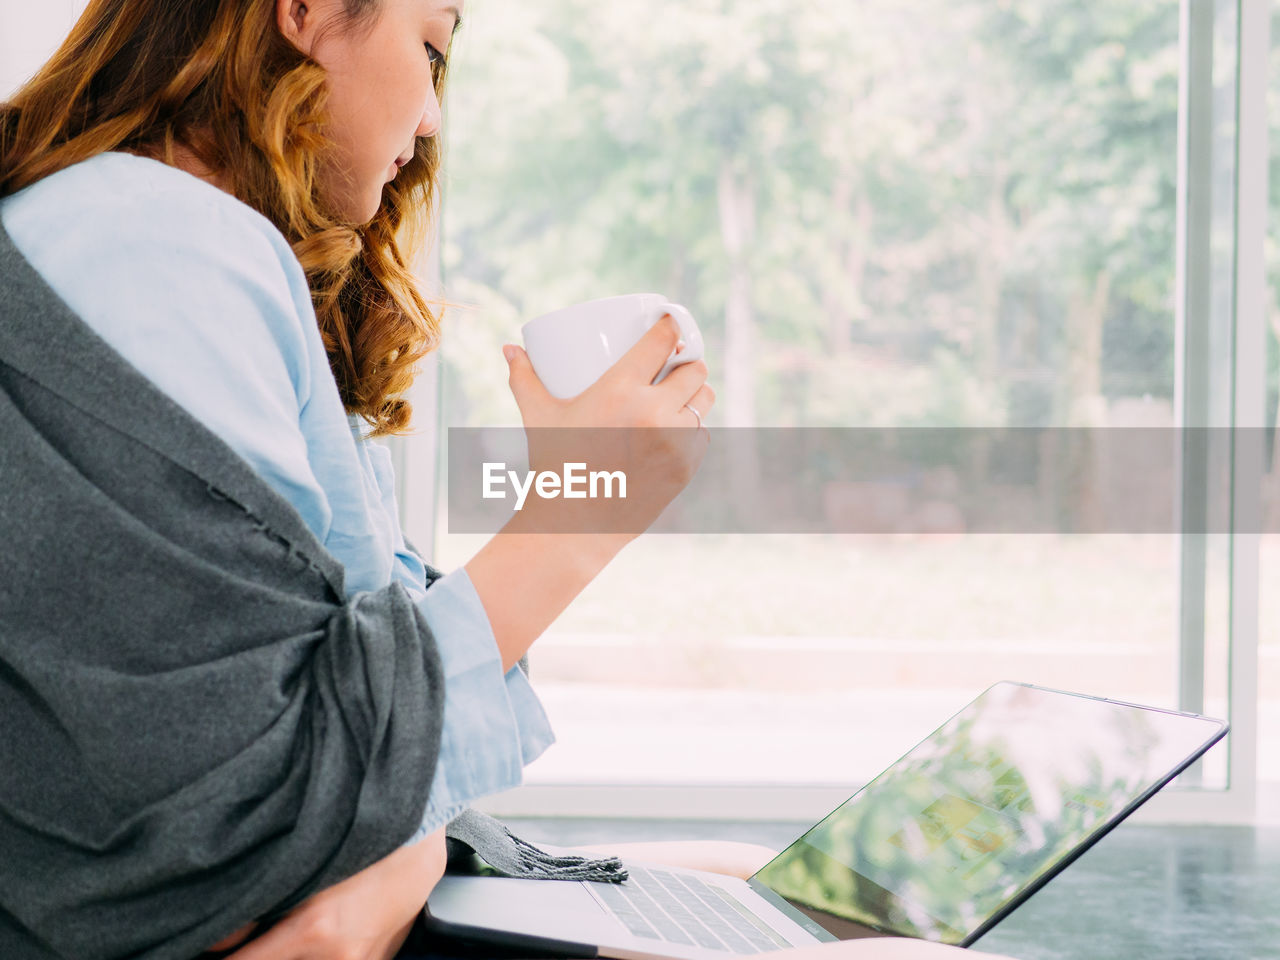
(494, 723)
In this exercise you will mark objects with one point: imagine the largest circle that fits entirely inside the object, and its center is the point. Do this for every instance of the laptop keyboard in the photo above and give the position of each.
(683, 909)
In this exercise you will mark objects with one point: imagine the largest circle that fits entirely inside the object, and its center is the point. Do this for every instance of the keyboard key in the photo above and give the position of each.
(623, 910)
(725, 914)
(701, 913)
(648, 908)
(678, 908)
(667, 927)
(750, 917)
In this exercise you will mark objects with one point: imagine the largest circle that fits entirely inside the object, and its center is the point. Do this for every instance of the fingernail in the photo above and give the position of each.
(680, 345)
(509, 351)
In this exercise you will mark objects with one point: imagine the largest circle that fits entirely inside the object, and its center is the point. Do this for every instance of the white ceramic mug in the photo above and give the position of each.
(572, 347)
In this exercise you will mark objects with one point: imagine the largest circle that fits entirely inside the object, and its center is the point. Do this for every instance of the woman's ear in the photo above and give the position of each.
(296, 23)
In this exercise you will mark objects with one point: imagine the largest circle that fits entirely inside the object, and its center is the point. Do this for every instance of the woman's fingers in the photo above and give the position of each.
(237, 938)
(528, 390)
(281, 942)
(703, 401)
(320, 935)
(684, 380)
(643, 361)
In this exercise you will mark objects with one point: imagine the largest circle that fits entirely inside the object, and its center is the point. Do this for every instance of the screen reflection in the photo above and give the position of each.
(991, 802)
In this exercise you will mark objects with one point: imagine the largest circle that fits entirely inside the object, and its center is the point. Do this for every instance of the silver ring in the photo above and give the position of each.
(696, 414)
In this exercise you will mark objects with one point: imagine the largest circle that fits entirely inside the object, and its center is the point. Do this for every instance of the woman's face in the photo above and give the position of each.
(381, 95)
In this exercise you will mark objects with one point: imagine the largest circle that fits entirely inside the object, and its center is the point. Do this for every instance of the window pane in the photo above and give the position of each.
(899, 213)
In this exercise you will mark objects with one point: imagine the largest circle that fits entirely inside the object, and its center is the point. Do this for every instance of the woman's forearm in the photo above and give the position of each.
(525, 580)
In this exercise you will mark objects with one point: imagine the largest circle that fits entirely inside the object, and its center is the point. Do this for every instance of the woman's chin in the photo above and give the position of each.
(372, 204)
(359, 209)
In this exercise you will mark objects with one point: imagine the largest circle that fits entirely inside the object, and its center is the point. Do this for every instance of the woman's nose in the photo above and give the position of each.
(429, 125)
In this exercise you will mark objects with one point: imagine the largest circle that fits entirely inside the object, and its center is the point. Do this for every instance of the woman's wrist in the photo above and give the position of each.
(525, 577)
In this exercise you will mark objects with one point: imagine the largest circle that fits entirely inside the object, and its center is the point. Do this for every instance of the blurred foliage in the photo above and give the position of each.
(949, 208)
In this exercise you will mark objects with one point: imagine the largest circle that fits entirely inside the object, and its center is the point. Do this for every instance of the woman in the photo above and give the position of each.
(242, 183)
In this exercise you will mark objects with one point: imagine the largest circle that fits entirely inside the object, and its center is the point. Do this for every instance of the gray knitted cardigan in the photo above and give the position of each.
(197, 728)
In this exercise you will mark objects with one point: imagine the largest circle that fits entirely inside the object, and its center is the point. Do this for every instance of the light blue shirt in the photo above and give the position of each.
(204, 296)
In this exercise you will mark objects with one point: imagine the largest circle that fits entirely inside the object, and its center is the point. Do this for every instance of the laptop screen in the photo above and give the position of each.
(962, 828)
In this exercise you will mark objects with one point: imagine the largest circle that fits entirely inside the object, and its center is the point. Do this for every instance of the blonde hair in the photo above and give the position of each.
(219, 78)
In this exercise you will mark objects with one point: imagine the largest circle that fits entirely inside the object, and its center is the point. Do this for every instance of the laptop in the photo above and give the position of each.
(942, 846)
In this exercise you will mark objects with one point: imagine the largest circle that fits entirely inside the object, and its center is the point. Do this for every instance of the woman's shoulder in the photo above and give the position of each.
(168, 268)
(114, 180)
(115, 205)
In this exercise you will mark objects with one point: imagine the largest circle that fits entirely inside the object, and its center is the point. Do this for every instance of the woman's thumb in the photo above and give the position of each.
(517, 360)
(523, 381)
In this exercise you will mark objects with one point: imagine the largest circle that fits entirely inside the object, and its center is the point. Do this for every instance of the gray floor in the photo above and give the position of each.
(1174, 893)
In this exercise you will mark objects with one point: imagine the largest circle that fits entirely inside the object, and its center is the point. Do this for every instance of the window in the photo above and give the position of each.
(892, 214)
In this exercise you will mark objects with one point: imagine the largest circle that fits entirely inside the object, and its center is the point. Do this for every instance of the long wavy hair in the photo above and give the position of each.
(218, 77)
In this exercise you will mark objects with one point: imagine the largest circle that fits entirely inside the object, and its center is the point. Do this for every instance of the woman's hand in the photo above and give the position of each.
(599, 428)
(552, 548)
(366, 917)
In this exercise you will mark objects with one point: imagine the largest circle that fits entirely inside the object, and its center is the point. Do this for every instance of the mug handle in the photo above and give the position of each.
(689, 333)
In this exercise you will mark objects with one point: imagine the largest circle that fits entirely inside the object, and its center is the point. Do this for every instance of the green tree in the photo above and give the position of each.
(981, 193)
